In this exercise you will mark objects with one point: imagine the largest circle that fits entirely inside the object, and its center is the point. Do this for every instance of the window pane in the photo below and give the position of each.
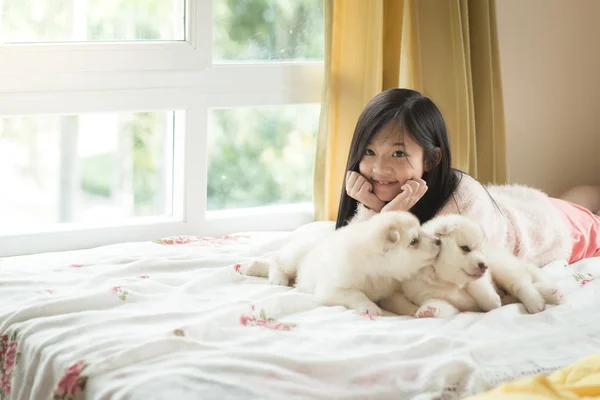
(30, 21)
(87, 168)
(261, 156)
(268, 30)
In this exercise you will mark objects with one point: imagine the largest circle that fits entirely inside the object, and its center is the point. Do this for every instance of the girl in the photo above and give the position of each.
(400, 160)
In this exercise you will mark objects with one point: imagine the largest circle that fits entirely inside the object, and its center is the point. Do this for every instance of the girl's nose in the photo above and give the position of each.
(381, 166)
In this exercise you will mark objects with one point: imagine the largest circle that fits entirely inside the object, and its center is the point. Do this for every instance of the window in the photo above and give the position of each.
(268, 30)
(126, 120)
(86, 169)
(261, 156)
(32, 21)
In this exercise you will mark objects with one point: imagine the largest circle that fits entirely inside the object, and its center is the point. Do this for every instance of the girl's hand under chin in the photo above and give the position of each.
(412, 191)
(361, 190)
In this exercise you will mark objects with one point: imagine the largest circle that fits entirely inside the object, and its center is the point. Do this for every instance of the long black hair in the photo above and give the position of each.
(417, 116)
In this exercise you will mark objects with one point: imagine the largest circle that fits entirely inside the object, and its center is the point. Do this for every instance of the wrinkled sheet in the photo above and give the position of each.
(173, 319)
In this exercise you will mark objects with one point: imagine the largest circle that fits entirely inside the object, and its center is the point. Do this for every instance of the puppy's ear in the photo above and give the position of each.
(445, 229)
(391, 236)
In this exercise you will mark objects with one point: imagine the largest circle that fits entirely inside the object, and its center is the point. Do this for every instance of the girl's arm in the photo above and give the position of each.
(412, 192)
(362, 214)
(361, 190)
(471, 200)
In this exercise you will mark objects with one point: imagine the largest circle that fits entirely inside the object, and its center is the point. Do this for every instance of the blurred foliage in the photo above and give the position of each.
(268, 30)
(146, 132)
(261, 156)
(97, 173)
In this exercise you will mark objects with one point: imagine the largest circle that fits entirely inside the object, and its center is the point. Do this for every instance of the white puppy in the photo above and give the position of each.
(469, 274)
(354, 266)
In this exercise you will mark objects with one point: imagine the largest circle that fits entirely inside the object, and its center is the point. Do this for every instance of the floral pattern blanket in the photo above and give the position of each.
(174, 319)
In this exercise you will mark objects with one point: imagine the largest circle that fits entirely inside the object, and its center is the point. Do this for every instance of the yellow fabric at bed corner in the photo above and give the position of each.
(580, 380)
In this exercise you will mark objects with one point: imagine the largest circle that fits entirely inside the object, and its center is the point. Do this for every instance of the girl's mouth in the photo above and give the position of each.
(384, 183)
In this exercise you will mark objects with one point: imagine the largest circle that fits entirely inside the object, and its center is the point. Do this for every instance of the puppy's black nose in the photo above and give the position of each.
(482, 266)
(438, 242)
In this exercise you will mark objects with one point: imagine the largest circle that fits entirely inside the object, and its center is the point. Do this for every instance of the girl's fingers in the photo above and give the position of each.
(351, 180)
(364, 188)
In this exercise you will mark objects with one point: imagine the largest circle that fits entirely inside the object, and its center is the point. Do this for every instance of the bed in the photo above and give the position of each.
(174, 319)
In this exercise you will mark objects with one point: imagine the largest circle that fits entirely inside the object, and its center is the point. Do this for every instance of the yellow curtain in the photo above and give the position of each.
(446, 49)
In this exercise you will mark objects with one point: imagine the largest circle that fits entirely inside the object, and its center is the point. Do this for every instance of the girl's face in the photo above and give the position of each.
(391, 160)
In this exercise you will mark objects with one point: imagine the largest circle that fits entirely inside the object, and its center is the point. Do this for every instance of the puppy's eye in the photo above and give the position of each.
(414, 242)
(466, 249)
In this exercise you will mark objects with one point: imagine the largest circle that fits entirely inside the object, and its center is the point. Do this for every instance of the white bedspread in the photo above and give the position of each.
(176, 321)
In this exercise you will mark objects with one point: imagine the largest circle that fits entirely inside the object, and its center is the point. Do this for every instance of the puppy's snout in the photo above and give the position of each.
(482, 267)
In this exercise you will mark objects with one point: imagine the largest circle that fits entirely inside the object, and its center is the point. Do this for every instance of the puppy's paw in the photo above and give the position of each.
(258, 268)
(277, 277)
(550, 293)
(369, 316)
(491, 302)
(368, 309)
(427, 312)
(435, 308)
(555, 297)
(534, 304)
(530, 297)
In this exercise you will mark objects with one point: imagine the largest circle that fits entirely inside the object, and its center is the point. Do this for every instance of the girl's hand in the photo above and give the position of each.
(412, 191)
(361, 190)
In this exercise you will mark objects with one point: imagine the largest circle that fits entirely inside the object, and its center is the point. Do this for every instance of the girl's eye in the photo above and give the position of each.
(369, 152)
(398, 154)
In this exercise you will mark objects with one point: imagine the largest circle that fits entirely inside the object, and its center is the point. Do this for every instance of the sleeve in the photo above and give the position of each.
(362, 214)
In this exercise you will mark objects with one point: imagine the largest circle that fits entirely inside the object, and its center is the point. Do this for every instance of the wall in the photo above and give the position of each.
(551, 81)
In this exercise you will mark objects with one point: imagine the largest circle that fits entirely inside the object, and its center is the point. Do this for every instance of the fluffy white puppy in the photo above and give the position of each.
(470, 275)
(354, 266)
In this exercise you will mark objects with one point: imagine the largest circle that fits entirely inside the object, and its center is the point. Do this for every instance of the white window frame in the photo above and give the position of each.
(117, 56)
(105, 77)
